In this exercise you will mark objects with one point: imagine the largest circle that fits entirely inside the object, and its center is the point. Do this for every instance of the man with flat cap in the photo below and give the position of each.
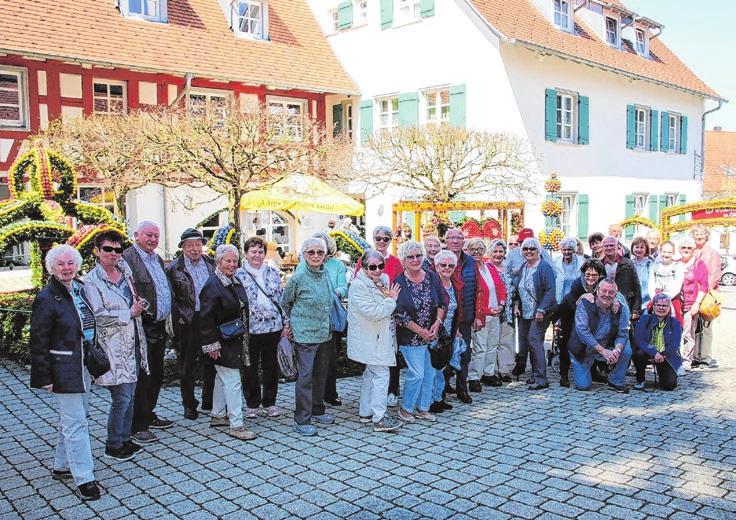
(188, 274)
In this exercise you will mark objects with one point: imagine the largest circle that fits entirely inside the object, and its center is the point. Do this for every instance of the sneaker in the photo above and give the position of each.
(273, 411)
(241, 433)
(365, 419)
(206, 411)
(305, 429)
(392, 401)
(144, 437)
(252, 413)
(387, 424)
(61, 474)
(640, 386)
(132, 446)
(681, 371)
(622, 389)
(122, 453)
(216, 421)
(324, 418)
(161, 424)
(405, 416)
(89, 491)
(425, 416)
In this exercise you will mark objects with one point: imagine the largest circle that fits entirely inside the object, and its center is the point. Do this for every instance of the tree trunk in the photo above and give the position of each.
(119, 204)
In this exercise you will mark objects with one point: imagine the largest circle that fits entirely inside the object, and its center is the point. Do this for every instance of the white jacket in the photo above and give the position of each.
(371, 338)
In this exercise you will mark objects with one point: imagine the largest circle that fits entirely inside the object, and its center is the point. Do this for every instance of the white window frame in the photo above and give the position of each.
(210, 231)
(360, 10)
(672, 200)
(209, 96)
(347, 118)
(295, 131)
(433, 98)
(237, 19)
(161, 10)
(673, 123)
(640, 203)
(642, 47)
(392, 116)
(109, 83)
(560, 110)
(407, 11)
(641, 128)
(568, 214)
(613, 34)
(22, 122)
(562, 12)
(334, 21)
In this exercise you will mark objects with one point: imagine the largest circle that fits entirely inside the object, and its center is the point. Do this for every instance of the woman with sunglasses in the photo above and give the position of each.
(371, 341)
(307, 302)
(110, 289)
(420, 311)
(445, 264)
(694, 288)
(657, 340)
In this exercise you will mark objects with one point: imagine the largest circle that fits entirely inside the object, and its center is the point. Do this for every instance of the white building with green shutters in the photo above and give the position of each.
(603, 102)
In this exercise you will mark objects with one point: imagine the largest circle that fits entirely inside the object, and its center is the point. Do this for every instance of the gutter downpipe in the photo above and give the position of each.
(702, 146)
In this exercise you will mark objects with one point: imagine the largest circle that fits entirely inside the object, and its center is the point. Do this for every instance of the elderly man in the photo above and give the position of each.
(153, 286)
(622, 271)
(617, 231)
(703, 356)
(187, 275)
(601, 333)
(653, 242)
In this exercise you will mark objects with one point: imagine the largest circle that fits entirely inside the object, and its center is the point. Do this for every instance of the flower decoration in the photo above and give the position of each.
(551, 207)
(553, 184)
(552, 239)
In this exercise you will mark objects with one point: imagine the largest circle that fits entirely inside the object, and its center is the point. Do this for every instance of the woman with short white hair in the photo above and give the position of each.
(445, 265)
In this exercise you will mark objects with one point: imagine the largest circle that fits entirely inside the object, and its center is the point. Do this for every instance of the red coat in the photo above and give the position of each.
(482, 309)
(392, 269)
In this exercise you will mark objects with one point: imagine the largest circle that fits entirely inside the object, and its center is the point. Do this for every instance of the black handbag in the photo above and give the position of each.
(232, 329)
(95, 358)
(441, 353)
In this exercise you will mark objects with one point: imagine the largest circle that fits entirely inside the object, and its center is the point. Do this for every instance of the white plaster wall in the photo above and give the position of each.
(147, 93)
(71, 85)
(42, 83)
(70, 112)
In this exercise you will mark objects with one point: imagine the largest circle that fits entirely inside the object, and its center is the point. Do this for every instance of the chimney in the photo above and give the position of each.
(717, 128)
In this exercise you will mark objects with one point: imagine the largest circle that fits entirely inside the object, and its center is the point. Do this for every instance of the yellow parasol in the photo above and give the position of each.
(297, 192)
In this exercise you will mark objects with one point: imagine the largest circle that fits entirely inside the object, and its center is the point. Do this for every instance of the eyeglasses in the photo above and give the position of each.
(477, 250)
(606, 291)
(455, 238)
(687, 248)
(110, 249)
(414, 257)
(592, 275)
(662, 305)
(314, 253)
(445, 266)
(513, 244)
(528, 248)
(382, 239)
(375, 267)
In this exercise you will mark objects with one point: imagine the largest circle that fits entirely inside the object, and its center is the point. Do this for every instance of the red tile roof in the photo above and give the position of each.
(521, 21)
(196, 39)
(719, 169)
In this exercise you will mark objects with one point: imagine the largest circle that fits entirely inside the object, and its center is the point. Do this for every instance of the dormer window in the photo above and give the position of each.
(641, 43)
(250, 18)
(152, 10)
(563, 17)
(612, 31)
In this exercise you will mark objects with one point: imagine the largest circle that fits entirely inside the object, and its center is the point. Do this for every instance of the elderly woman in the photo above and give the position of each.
(534, 306)
(569, 263)
(694, 288)
(657, 340)
(223, 306)
(643, 264)
(595, 242)
(489, 306)
(432, 246)
(117, 308)
(371, 341)
(445, 264)
(420, 311)
(506, 334)
(61, 323)
(665, 276)
(307, 301)
(262, 284)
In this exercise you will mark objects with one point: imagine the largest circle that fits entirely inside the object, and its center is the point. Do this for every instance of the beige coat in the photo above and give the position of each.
(116, 330)
(371, 338)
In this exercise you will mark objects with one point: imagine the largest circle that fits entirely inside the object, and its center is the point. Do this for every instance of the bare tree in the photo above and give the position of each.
(441, 162)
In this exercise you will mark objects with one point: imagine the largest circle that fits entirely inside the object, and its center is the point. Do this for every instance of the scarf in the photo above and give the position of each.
(658, 337)
(258, 275)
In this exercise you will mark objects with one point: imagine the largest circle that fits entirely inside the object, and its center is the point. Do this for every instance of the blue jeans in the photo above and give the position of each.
(581, 369)
(438, 385)
(120, 419)
(73, 448)
(418, 379)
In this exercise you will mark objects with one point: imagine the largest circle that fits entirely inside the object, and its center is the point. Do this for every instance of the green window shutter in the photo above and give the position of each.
(664, 145)
(582, 216)
(345, 14)
(662, 202)
(683, 134)
(409, 109)
(630, 127)
(336, 120)
(653, 130)
(366, 120)
(427, 8)
(629, 213)
(550, 115)
(653, 207)
(583, 120)
(457, 105)
(387, 13)
(682, 200)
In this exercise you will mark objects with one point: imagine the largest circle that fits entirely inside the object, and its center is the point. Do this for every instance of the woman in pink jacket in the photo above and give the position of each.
(694, 288)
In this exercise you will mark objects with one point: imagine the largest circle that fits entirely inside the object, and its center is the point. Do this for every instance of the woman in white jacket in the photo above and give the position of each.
(371, 340)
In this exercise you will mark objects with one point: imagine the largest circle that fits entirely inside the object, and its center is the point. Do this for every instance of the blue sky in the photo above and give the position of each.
(702, 34)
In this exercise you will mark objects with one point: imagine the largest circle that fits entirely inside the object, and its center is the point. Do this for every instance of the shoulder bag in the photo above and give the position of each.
(338, 314)
(96, 359)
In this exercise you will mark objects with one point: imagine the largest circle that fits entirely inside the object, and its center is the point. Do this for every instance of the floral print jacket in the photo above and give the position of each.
(263, 318)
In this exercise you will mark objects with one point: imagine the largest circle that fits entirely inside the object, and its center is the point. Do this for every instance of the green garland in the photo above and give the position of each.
(30, 230)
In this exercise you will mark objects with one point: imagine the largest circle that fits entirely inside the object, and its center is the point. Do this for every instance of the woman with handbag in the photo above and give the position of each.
(445, 263)
(262, 284)
(308, 302)
(371, 303)
(694, 288)
(223, 315)
(61, 322)
(110, 289)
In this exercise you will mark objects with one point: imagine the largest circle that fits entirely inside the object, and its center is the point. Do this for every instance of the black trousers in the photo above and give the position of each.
(190, 354)
(149, 385)
(258, 391)
(666, 374)
(331, 382)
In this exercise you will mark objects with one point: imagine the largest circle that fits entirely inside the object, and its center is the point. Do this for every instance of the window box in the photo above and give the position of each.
(13, 98)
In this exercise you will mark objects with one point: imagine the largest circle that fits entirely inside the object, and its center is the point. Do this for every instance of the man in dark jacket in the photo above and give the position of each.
(153, 286)
(620, 269)
(187, 275)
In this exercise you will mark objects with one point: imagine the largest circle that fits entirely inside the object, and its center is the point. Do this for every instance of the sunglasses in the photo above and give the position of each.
(382, 239)
(110, 249)
(528, 248)
(445, 266)
(414, 257)
(375, 267)
(314, 253)
(477, 250)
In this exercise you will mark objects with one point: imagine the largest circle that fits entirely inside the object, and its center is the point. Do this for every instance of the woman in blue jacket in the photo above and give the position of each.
(657, 340)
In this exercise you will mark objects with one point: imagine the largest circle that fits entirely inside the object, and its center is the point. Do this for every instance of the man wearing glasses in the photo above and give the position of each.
(622, 271)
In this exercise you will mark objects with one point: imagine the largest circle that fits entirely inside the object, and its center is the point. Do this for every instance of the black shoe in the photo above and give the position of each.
(475, 386)
(132, 447)
(464, 397)
(530, 381)
(161, 424)
(89, 491)
(564, 381)
(538, 386)
(486, 380)
(436, 407)
(334, 402)
(122, 453)
(445, 405)
(505, 378)
(61, 474)
(494, 381)
(518, 370)
(449, 388)
(597, 375)
(623, 389)
(191, 414)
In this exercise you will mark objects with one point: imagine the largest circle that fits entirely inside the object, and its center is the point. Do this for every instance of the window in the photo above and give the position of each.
(108, 97)
(612, 31)
(408, 10)
(640, 202)
(388, 113)
(641, 42)
(272, 226)
(98, 196)
(147, 9)
(438, 106)
(12, 98)
(361, 12)
(566, 117)
(250, 18)
(334, 21)
(348, 116)
(671, 200)
(562, 15)
(198, 101)
(287, 115)
(566, 217)
(674, 129)
(642, 128)
(213, 224)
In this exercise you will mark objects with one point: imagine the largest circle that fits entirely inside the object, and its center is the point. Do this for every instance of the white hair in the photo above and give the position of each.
(569, 243)
(382, 230)
(409, 246)
(531, 242)
(224, 249)
(686, 241)
(314, 241)
(445, 253)
(143, 224)
(59, 250)
(329, 242)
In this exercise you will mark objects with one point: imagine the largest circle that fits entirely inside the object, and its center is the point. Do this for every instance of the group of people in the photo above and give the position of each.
(229, 314)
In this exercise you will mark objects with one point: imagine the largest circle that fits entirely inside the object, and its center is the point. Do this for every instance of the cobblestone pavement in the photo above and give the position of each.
(512, 454)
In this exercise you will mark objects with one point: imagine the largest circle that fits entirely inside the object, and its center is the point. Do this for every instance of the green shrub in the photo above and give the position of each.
(15, 324)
